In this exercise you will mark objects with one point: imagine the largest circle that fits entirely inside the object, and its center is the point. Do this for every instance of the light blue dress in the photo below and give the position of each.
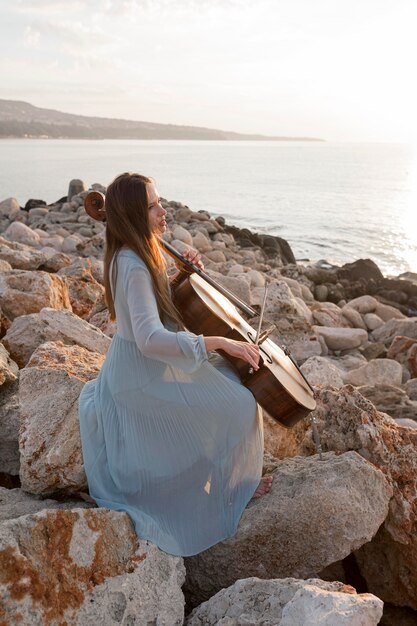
(168, 432)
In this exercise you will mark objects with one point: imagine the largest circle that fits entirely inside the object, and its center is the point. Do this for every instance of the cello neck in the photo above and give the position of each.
(193, 268)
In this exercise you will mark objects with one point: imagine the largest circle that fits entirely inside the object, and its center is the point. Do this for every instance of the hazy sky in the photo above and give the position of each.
(337, 69)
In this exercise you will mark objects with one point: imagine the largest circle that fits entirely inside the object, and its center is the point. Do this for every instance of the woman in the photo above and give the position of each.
(168, 432)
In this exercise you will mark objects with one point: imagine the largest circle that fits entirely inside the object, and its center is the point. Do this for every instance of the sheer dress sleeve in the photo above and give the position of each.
(181, 349)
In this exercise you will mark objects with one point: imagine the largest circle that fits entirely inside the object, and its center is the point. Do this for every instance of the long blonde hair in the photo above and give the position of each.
(127, 224)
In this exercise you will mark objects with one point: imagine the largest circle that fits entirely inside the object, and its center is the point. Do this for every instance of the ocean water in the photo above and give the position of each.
(333, 201)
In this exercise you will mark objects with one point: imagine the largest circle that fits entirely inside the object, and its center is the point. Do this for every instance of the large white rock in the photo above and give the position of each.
(21, 256)
(342, 338)
(372, 321)
(27, 332)
(9, 208)
(315, 511)
(180, 233)
(86, 566)
(329, 314)
(376, 372)
(49, 443)
(288, 602)
(201, 242)
(354, 318)
(22, 234)
(320, 371)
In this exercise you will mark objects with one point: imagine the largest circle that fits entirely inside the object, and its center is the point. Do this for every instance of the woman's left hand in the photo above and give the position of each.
(194, 257)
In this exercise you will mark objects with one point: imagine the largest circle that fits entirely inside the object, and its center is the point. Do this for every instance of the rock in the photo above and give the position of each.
(16, 502)
(372, 321)
(394, 327)
(27, 332)
(363, 304)
(102, 321)
(86, 566)
(377, 372)
(75, 187)
(387, 312)
(321, 292)
(70, 243)
(256, 278)
(342, 338)
(348, 421)
(20, 256)
(330, 315)
(390, 399)
(56, 262)
(8, 368)
(9, 208)
(411, 388)
(306, 347)
(319, 371)
(288, 602)
(183, 235)
(281, 302)
(4, 265)
(22, 234)
(404, 350)
(217, 256)
(238, 286)
(85, 293)
(353, 317)
(201, 242)
(49, 443)
(362, 269)
(23, 292)
(9, 429)
(343, 498)
(373, 350)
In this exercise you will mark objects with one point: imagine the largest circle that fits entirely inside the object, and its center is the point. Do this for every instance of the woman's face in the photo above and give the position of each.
(157, 212)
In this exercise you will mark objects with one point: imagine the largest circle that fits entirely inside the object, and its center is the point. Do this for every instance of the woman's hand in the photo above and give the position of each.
(193, 256)
(241, 350)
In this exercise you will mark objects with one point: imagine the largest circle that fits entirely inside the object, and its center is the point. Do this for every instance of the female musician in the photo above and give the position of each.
(168, 432)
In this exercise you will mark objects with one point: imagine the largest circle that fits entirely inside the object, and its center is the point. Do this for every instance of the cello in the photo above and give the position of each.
(208, 308)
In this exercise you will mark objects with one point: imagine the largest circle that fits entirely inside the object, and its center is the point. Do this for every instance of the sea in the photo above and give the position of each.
(333, 202)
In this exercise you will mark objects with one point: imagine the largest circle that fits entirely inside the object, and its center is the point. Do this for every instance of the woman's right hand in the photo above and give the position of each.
(242, 350)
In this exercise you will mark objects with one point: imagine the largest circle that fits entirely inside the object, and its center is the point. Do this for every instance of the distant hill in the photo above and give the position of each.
(21, 119)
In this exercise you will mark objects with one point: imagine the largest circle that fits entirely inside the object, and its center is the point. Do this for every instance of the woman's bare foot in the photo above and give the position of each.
(263, 487)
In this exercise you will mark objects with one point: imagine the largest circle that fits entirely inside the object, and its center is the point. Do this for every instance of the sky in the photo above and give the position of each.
(341, 70)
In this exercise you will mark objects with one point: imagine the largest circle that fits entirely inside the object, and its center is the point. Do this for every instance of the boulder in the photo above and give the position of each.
(372, 321)
(390, 399)
(288, 602)
(329, 314)
(404, 350)
(201, 242)
(50, 445)
(377, 372)
(9, 208)
(20, 256)
(22, 234)
(348, 421)
(342, 338)
(9, 429)
(363, 304)
(16, 502)
(86, 566)
(362, 269)
(75, 187)
(27, 332)
(394, 327)
(411, 388)
(387, 312)
(8, 368)
(23, 292)
(183, 235)
(353, 316)
(102, 321)
(343, 498)
(320, 371)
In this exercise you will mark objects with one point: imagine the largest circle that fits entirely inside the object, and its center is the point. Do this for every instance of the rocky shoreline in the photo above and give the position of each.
(350, 517)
